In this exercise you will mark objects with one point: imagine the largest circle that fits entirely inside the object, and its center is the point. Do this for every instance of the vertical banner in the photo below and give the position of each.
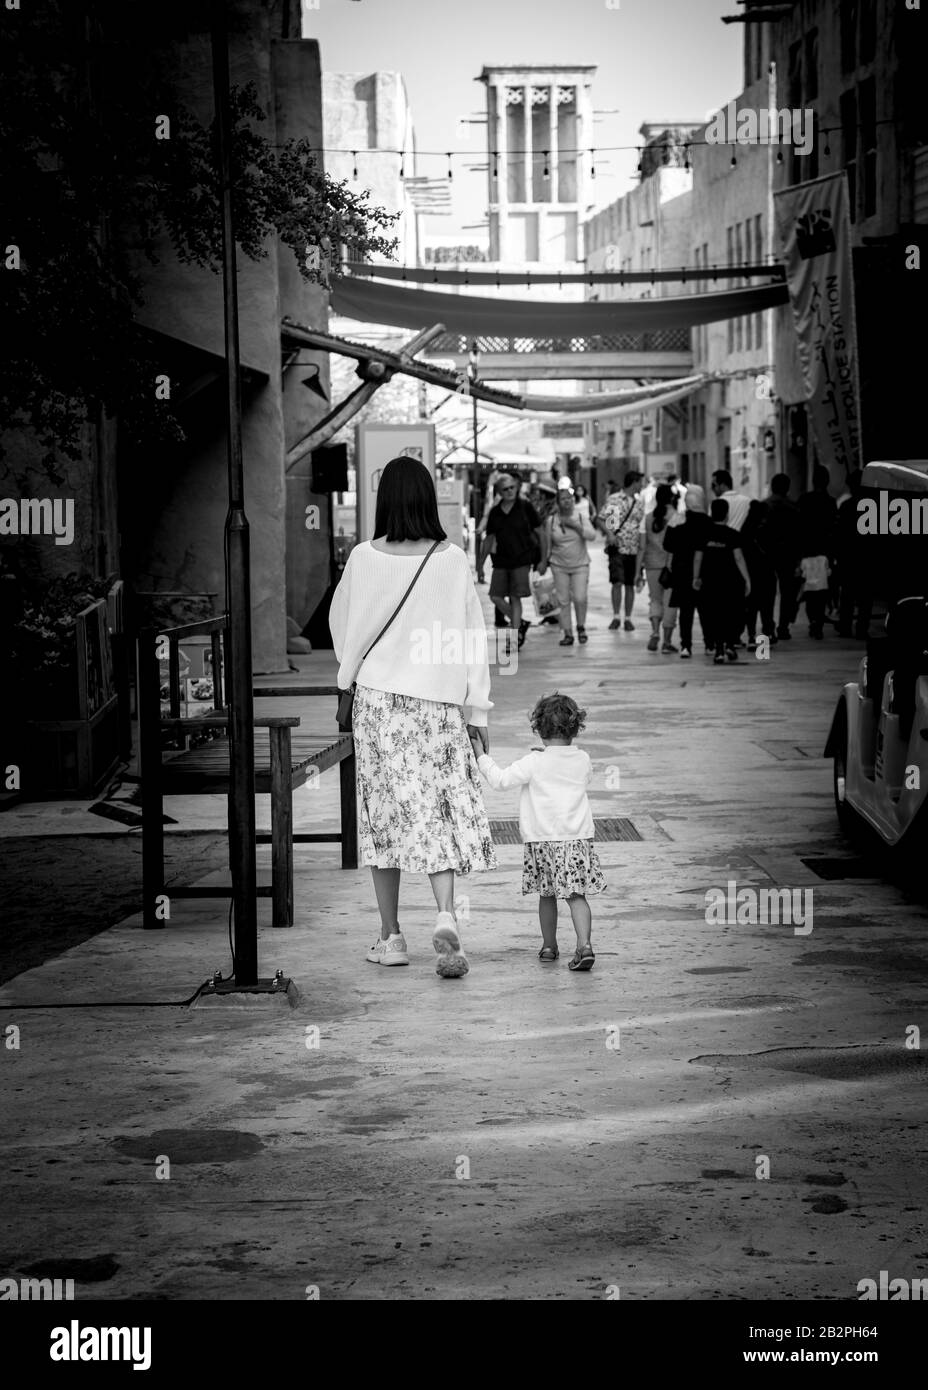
(815, 233)
(376, 445)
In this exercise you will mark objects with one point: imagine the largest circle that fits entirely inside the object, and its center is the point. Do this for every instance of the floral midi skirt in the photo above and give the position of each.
(420, 804)
(561, 868)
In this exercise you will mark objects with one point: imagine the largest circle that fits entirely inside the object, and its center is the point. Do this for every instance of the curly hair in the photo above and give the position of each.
(557, 716)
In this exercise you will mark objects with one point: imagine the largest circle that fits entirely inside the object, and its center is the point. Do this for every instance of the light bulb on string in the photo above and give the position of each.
(827, 148)
(402, 167)
(354, 158)
(450, 170)
(779, 156)
(592, 164)
(686, 157)
(546, 172)
(734, 163)
(640, 160)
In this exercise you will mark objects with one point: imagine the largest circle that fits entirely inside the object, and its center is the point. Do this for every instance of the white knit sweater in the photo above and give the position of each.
(553, 804)
(435, 649)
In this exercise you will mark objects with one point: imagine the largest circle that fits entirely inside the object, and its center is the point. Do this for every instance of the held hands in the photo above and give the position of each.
(479, 739)
(697, 585)
(540, 569)
(640, 581)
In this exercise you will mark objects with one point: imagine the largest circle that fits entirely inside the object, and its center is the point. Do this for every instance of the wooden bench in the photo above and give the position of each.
(285, 758)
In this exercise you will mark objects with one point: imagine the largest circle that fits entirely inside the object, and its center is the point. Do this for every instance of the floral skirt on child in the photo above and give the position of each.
(561, 868)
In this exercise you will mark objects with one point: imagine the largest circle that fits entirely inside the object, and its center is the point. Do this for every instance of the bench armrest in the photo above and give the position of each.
(261, 721)
(301, 690)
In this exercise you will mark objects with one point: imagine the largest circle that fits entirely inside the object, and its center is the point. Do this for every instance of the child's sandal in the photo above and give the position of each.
(583, 959)
(548, 953)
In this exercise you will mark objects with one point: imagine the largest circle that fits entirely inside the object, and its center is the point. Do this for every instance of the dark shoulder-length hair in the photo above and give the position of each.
(407, 506)
(664, 501)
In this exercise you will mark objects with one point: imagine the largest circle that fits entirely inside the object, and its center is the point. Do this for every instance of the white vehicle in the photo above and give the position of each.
(879, 733)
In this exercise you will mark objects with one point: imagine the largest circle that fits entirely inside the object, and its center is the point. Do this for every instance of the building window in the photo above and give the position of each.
(867, 31)
(515, 145)
(848, 35)
(567, 145)
(811, 67)
(867, 105)
(849, 146)
(542, 155)
(794, 80)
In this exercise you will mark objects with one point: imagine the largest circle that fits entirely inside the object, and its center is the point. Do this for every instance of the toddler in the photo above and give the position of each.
(556, 822)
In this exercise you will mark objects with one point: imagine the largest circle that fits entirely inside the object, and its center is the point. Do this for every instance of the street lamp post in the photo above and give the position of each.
(238, 566)
(473, 358)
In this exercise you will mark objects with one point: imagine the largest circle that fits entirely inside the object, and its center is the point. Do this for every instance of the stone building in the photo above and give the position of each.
(155, 516)
(857, 67)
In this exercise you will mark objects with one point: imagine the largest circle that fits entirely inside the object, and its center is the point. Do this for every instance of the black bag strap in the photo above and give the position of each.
(399, 605)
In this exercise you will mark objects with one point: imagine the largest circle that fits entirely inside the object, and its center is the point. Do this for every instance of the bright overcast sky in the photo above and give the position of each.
(657, 60)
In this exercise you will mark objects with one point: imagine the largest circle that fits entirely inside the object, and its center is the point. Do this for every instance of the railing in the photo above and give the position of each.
(661, 340)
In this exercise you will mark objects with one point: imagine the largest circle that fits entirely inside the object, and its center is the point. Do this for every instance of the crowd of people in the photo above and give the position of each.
(743, 566)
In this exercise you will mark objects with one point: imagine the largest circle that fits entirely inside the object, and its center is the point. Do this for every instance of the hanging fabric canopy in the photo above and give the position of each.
(598, 402)
(538, 407)
(370, 302)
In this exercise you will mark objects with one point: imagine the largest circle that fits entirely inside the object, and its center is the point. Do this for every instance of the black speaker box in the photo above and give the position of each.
(330, 468)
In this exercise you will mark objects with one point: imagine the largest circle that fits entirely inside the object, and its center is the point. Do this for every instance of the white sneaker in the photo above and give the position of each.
(452, 962)
(392, 951)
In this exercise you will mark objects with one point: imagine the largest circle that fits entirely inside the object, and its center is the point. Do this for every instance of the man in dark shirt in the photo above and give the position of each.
(781, 539)
(514, 531)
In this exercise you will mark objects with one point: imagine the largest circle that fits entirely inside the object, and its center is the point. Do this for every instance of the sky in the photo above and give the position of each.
(657, 60)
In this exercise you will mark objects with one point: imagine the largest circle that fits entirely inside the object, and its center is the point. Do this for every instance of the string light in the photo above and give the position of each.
(779, 156)
(734, 163)
(354, 156)
(592, 164)
(546, 172)
(450, 170)
(827, 149)
(665, 146)
(640, 160)
(402, 167)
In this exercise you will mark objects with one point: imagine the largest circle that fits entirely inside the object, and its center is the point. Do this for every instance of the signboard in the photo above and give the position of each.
(376, 445)
(815, 232)
(451, 508)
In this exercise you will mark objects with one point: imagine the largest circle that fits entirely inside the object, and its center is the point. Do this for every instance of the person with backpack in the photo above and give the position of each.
(620, 520)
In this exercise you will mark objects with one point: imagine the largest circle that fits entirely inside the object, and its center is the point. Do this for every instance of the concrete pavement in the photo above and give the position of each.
(523, 1133)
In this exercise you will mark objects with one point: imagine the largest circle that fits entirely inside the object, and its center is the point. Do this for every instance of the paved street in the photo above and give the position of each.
(524, 1133)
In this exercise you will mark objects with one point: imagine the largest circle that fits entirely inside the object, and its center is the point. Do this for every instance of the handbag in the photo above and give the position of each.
(345, 713)
(665, 578)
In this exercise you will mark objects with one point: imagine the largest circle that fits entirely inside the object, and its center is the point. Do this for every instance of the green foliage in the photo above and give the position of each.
(41, 647)
(87, 184)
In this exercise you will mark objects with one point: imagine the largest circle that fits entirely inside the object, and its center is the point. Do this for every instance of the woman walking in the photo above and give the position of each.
(681, 543)
(652, 561)
(563, 546)
(720, 577)
(407, 626)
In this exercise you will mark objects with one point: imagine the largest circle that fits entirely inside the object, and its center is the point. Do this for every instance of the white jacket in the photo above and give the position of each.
(554, 803)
